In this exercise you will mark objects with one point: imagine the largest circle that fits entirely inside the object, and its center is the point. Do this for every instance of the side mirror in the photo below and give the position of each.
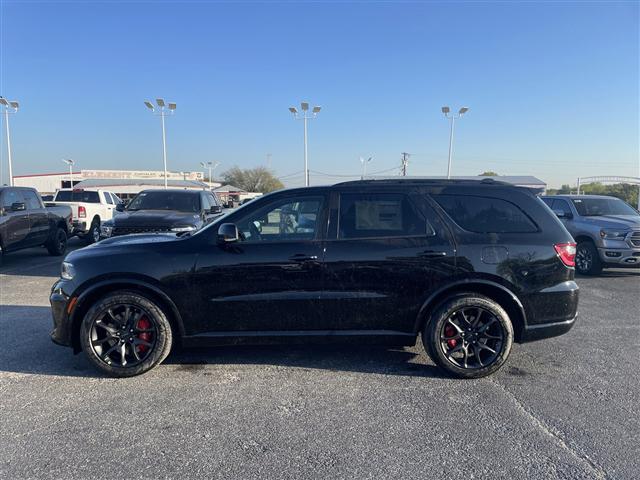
(215, 209)
(18, 206)
(562, 214)
(120, 207)
(228, 233)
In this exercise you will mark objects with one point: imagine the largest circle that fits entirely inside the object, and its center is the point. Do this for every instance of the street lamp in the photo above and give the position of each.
(452, 119)
(212, 167)
(69, 162)
(9, 107)
(164, 109)
(305, 116)
(364, 166)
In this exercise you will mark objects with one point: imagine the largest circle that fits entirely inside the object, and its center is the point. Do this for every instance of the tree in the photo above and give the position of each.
(488, 173)
(258, 179)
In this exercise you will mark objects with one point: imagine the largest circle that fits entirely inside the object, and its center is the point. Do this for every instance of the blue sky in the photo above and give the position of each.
(552, 88)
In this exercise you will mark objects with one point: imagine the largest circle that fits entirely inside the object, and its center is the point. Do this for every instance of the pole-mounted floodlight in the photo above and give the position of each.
(69, 162)
(452, 121)
(163, 111)
(304, 106)
(364, 166)
(9, 107)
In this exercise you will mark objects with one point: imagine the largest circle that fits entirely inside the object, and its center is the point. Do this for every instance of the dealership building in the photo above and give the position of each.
(124, 183)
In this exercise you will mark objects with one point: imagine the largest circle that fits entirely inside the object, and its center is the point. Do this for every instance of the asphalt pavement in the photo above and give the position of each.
(561, 408)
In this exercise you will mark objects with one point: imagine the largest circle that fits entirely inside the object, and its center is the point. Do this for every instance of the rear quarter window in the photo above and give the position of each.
(486, 214)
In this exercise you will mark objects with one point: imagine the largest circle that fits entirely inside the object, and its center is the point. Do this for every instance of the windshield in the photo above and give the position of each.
(595, 207)
(178, 201)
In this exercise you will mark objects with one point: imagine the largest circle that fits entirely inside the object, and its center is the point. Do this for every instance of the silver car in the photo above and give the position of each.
(606, 229)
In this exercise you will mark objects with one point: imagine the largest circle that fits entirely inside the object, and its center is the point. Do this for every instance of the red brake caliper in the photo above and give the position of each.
(143, 324)
(449, 331)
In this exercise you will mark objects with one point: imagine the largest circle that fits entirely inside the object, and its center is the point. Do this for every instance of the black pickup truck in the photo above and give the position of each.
(25, 222)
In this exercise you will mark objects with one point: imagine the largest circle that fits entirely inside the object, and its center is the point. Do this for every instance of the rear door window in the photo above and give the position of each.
(485, 214)
(379, 215)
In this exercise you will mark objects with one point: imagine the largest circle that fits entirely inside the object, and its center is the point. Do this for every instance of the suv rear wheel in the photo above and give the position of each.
(125, 334)
(469, 336)
(587, 259)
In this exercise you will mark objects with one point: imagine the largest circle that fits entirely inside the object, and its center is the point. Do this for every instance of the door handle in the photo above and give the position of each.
(302, 257)
(432, 254)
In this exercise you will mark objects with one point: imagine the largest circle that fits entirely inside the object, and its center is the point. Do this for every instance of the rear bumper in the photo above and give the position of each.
(79, 227)
(547, 330)
(550, 312)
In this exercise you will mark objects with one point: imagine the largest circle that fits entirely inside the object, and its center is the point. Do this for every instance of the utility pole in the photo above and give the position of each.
(452, 121)
(305, 117)
(405, 163)
(9, 107)
(163, 111)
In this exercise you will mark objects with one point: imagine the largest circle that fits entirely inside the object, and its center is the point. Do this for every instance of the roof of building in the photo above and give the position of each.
(228, 188)
(119, 182)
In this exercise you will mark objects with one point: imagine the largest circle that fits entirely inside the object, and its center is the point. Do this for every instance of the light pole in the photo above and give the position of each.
(212, 168)
(9, 107)
(164, 109)
(69, 162)
(305, 116)
(364, 166)
(452, 120)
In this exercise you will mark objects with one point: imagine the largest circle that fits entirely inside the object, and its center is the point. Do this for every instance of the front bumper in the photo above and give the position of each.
(624, 257)
(62, 327)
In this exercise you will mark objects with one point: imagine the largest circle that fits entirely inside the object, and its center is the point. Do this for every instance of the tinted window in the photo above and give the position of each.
(31, 199)
(161, 200)
(485, 214)
(595, 207)
(206, 202)
(212, 199)
(9, 197)
(379, 215)
(283, 220)
(107, 197)
(562, 205)
(548, 201)
(77, 196)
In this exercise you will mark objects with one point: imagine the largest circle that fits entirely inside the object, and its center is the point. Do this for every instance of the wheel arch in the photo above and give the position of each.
(88, 297)
(583, 238)
(506, 298)
(96, 217)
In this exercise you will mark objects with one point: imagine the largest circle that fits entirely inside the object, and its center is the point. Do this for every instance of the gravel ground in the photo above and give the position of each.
(561, 408)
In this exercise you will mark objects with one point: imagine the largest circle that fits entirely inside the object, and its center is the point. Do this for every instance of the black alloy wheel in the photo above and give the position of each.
(58, 243)
(587, 259)
(93, 235)
(125, 334)
(469, 336)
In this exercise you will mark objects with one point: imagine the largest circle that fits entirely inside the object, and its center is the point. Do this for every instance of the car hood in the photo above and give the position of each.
(616, 221)
(155, 218)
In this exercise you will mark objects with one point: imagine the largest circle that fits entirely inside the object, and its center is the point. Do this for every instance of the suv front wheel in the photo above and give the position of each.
(125, 334)
(469, 336)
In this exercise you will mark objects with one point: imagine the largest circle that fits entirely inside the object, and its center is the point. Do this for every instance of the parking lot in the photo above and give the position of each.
(562, 408)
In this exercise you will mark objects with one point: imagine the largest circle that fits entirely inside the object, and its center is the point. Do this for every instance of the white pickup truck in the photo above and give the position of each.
(90, 207)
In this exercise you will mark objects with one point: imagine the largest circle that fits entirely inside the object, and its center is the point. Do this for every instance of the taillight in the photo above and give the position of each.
(567, 253)
(82, 212)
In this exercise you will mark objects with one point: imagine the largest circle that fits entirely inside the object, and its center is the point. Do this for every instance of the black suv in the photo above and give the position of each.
(471, 265)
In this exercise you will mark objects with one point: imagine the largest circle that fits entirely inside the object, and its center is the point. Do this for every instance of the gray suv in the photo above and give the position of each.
(606, 229)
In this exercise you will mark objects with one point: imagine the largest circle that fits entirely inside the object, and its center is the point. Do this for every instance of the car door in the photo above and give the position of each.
(38, 219)
(385, 254)
(15, 223)
(271, 279)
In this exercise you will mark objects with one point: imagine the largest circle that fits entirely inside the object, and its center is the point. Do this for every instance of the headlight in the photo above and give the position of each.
(67, 271)
(613, 234)
(184, 228)
(106, 230)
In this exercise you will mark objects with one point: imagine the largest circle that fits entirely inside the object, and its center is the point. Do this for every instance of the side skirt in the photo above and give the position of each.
(275, 337)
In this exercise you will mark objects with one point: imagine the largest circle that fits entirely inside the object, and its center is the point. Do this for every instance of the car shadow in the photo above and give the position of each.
(35, 262)
(19, 322)
(613, 273)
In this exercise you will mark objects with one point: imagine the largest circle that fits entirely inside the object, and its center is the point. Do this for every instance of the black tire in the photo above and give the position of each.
(99, 335)
(93, 235)
(450, 332)
(57, 244)
(588, 259)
